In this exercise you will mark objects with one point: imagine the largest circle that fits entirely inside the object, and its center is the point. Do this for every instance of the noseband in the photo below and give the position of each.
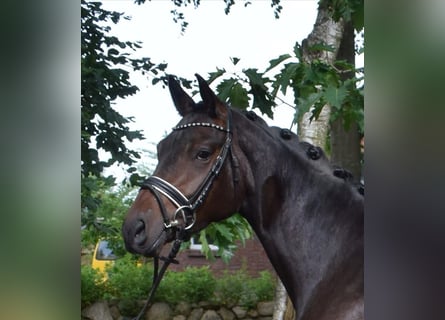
(186, 207)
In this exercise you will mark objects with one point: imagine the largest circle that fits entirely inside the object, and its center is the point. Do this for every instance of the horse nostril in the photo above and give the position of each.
(139, 232)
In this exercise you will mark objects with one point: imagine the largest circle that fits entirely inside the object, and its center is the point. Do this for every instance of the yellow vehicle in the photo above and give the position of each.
(103, 256)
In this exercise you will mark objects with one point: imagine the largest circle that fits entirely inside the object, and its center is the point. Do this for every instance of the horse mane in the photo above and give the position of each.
(314, 154)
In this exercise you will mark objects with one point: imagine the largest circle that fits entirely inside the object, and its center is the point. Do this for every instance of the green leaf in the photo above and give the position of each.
(321, 47)
(255, 78)
(224, 231)
(335, 96)
(274, 62)
(205, 248)
(283, 79)
(234, 60)
(262, 99)
(226, 254)
(305, 104)
(344, 65)
(224, 88)
(232, 91)
(239, 96)
(215, 75)
(298, 51)
(358, 16)
(112, 52)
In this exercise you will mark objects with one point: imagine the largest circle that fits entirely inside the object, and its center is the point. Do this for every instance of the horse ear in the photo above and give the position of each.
(183, 102)
(209, 98)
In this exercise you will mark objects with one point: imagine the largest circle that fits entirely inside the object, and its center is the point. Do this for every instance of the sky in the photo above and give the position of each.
(250, 33)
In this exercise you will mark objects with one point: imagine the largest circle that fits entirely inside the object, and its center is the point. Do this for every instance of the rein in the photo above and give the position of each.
(186, 207)
(157, 275)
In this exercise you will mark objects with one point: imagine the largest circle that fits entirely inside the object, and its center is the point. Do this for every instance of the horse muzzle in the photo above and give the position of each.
(139, 240)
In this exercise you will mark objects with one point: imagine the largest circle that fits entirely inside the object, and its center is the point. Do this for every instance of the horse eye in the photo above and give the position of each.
(203, 155)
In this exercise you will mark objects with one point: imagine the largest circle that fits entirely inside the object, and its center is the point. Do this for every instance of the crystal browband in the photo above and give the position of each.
(201, 124)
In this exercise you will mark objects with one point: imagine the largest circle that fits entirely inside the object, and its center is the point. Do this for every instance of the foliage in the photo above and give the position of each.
(179, 17)
(313, 83)
(224, 234)
(317, 83)
(129, 282)
(240, 289)
(192, 285)
(90, 186)
(105, 61)
(263, 286)
(231, 289)
(106, 220)
(92, 287)
(347, 10)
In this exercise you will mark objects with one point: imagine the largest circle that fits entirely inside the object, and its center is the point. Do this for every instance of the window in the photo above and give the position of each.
(195, 244)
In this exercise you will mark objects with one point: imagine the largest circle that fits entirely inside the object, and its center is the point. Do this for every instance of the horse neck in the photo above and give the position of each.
(310, 223)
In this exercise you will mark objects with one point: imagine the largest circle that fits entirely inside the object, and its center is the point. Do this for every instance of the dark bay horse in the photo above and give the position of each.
(218, 161)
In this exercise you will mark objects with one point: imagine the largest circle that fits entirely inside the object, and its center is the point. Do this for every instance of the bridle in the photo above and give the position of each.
(186, 207)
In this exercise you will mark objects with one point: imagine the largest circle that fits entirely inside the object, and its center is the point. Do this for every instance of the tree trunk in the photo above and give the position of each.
(315, 131)
(345, 148)
(328, 32)
(345, 144)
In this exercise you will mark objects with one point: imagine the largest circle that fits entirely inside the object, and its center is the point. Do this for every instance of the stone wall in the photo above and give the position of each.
(183, 311)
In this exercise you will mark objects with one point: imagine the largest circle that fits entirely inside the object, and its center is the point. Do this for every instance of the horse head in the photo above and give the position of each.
(189, 187)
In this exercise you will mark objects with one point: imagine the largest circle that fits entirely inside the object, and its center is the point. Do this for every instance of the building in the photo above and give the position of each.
(251, 257)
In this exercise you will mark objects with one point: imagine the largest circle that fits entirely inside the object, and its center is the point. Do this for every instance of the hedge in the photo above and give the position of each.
(128, 281)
